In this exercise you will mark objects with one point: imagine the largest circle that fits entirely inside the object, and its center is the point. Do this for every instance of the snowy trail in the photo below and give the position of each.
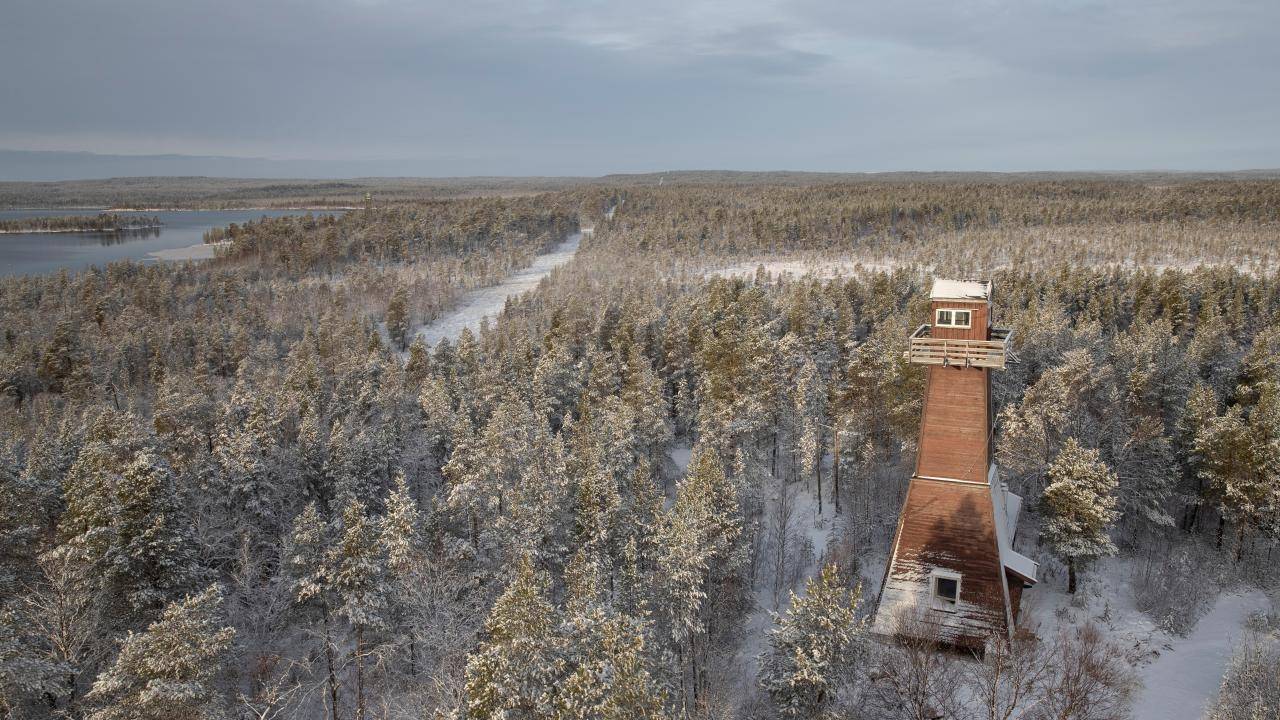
(489, 301)
(1184, 679)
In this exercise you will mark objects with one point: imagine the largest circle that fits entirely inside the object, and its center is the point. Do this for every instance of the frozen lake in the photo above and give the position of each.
(33, 253)
(488, 302)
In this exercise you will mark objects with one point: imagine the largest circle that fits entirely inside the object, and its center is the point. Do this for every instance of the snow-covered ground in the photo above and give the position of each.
(1180, 675)
(199, 251)
(488, 302)
(1185, 678)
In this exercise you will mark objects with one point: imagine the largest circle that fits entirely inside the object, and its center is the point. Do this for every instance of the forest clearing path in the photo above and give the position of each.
(1183, 680)
(489, 301)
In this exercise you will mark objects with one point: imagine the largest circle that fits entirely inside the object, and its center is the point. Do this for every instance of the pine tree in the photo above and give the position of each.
(359, 583)
(24, 671)
(1080, 507)
(124, 524)
(809, 402)
(1200, 409)
(244, 448)
(514, 673)
(437, 415)
(1240, 463)
(398, 318)
(399, 538)
(308, 566)
(699, 555)
(168, 671)
(813, 647)
(154, 554)
(607, 673)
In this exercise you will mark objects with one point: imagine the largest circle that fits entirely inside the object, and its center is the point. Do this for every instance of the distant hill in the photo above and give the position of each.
(46, 165)
(35, 179)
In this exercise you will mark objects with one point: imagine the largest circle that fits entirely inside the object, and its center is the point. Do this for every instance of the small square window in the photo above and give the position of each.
(961, 318)
(946, 589)
(944, 317)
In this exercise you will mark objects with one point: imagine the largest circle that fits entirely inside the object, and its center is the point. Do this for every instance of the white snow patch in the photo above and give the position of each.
(1182, 674)
(487, 302)
(818, 529)
(200, 251)
(680, 455)
(1186, 677)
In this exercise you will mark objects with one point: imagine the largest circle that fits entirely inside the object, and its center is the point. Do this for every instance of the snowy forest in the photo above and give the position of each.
(663, 483)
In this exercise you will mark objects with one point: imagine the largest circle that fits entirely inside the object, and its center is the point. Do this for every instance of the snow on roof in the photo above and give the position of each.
(961, 289)
(1021, 565)
(1012, 506)
(1007, 505)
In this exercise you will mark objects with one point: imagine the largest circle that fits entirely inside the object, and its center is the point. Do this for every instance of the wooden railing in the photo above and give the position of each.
(928, 350)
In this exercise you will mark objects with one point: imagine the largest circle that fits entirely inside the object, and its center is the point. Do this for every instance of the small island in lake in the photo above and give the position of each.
(103, 222)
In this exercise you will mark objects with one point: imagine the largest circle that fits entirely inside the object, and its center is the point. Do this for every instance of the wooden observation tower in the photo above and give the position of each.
(953, 571)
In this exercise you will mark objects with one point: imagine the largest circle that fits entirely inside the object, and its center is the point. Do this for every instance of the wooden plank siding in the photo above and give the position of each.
(954, 427)
(954, 517)
(979, 325)
(947, 526)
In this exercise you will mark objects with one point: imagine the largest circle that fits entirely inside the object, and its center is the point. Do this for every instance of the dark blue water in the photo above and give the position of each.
(27, 253)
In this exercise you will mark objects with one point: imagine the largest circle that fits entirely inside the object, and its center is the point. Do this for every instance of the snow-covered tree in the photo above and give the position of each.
(514, 672)
(124, 524)
(1239, 459)
(307, 561)
(1080, 507)
(169, 670)
(25, 672)
(607, 674)
(437, 415)
(812, 648)
(359, 581)
(810, 401)
(398, 317)
(699, 560)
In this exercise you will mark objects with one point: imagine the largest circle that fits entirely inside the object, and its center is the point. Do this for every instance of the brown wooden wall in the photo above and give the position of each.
(954, 437)
(1015, 593)
(950, 526)
(979, 324)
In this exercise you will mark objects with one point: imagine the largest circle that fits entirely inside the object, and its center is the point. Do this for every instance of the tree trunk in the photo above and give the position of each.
(1240, 542)
(1071, 576)
(835, 471)
(413, 655)
(333, 677)
(1222, 523)
(359, 672)
(817, 471)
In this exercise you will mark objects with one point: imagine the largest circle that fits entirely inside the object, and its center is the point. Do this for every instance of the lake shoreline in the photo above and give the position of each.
(199, 251)
(81, 230)
(335, 208)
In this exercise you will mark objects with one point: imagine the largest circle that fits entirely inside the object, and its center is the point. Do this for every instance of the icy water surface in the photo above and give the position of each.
(31, 253)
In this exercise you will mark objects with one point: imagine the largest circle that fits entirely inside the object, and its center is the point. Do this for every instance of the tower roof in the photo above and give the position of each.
(960, 289)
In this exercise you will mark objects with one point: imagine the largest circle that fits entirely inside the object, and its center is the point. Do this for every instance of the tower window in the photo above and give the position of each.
(953, 318)
(946, 589)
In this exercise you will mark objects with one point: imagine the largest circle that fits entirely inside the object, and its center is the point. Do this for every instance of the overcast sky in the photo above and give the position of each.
(577, 87)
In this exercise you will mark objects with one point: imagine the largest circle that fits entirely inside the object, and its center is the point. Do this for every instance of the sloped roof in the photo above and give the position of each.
(1007, 506)
(960, 289)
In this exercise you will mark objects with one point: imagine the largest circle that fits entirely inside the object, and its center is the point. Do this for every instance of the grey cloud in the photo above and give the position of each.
(575, 87)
